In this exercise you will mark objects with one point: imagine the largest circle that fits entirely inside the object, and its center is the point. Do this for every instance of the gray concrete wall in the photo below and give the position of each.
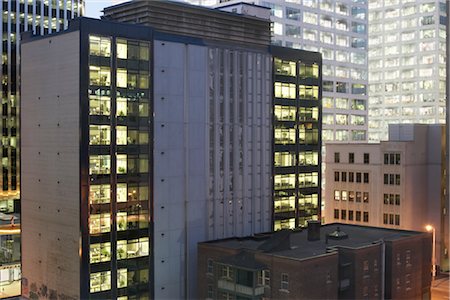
(50, 168)
(212, 171)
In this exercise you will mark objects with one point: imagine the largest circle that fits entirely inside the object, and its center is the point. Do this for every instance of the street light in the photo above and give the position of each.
(433, 259)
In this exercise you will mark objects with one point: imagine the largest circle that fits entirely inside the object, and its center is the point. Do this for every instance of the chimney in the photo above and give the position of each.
(313, 230)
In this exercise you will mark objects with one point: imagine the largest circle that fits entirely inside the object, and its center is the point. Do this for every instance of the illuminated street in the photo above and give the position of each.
(440, 289)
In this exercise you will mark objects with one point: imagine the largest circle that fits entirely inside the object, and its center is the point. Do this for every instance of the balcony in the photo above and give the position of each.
(241, 289)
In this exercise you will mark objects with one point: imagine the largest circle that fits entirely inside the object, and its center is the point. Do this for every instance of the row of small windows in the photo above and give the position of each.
(307, 135)
(101, 223)
(101, 76)
(352, 215)
(101, 135)
(351, 196)
(288, 68)
(101, 105)
(351, 158)
(101, 281)
(391, 199)
(344, 87)
(306, 203)
(391, 219)
(288, 159)
(342, 177)
(288, 113)
(101, 193)
(101, 252)
(287, 181)
(287, 91)
(391, 179)
(101, 46)
(391, 158)
(101, 164)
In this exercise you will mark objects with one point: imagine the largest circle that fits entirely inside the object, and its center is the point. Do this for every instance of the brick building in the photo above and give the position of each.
(334, 261)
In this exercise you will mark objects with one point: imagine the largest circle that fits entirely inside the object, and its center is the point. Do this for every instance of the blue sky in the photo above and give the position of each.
(93, 7)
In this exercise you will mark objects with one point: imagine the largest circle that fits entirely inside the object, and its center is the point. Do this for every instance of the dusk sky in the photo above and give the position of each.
(94, 7)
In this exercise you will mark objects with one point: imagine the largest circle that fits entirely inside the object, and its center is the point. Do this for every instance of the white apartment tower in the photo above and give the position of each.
(406, 63)
(338, 30)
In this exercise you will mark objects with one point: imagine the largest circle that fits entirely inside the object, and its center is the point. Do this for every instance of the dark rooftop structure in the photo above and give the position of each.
(334, 261)
(194, 21)
(295, 244)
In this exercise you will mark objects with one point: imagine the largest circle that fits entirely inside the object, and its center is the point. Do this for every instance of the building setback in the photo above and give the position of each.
(334, 261)
(395, 184)
(170, 145)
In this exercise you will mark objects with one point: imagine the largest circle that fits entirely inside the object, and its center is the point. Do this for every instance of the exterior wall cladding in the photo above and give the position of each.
(207, 162)
(389, 264)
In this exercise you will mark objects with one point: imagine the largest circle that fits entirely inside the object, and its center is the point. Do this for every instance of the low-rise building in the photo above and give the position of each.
(397, 183)
(334, 261)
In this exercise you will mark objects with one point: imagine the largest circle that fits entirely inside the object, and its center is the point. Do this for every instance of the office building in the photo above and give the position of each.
(39, 17)
(334, 261)
(297, 93)
(338, 30)
(170, 147)
(397, 183)
(407, 44)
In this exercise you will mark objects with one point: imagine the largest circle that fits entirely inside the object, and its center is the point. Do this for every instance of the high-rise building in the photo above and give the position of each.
(338, 30)
(406, 63)
(297, 138)
(39, 17)
(397, 183)
(297, 115)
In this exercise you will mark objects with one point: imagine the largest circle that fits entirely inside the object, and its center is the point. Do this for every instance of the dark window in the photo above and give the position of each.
(210, 292)
(391, 199)
(397, 219)
(392, 158)
(351, 177)
(397, 158)
(386, 158)
(391, 219)
(366, 177)
(358, 216)
(366, 216)
(358, 196)
(397, 199)
(210, 268)
(358, 177)
(351, 196)
(343, 214)
(385, 218)
(366, 197)
(391, 179)
(386, 178)
(366, 158)
(350, 215)
(386, 198)
(336, 176)
(344, 176)
(244, 277)
(351, 158)
(336, 157)
(397, 179)
(284, 281)
(336, 213)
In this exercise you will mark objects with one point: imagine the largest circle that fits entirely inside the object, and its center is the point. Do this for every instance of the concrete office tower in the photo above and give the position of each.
(338, 30)
(139, 143)
(39, 17)
(297, 114)
(397, 183)
(406, 63)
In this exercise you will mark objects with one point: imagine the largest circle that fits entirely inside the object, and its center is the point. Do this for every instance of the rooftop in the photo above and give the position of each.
(339, 235)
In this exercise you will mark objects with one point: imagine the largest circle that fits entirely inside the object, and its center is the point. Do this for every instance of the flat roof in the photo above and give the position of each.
(301, 248)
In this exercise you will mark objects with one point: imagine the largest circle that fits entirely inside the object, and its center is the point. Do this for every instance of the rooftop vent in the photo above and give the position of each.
(338, 234)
